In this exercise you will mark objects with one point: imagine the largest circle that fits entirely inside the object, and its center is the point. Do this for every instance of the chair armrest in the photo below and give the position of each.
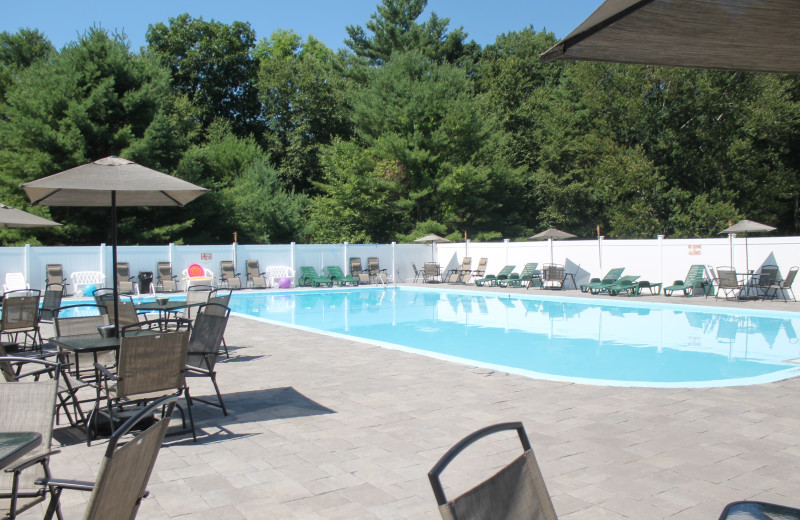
(106, 373)
(31, 462)
(79, 485)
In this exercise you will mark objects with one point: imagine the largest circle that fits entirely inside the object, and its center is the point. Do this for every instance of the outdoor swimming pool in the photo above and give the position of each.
(596, 341)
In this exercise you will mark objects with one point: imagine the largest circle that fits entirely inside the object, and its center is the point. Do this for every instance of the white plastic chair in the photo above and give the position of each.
(15, 282)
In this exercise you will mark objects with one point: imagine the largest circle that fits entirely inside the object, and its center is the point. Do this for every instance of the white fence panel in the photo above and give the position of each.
(268, 255)
(208, 257)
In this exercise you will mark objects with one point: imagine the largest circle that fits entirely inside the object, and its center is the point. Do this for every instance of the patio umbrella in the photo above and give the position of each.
(111, 182)
(550, 235)
(16, 218)
(745, 227)
(750, 35)
(433, 238)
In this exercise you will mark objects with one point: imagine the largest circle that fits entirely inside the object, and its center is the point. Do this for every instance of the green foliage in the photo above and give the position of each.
(91, 100)
(303, 92)
(395, 29)
(19, 51)
(262, 210)
(361, 201)
(213, 65)
(422, 229)
(411, 131)
(423, 117)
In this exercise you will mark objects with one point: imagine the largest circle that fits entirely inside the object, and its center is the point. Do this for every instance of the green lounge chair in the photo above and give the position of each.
(339, 277)
(525, 277)
(493, 280)
(310, 277)
(695, 276)
(597, 284)
(625, 284)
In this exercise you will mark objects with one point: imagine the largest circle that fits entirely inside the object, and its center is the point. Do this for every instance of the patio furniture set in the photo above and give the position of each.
(106, 379)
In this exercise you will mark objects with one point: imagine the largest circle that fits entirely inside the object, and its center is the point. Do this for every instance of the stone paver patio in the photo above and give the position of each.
(325, 428)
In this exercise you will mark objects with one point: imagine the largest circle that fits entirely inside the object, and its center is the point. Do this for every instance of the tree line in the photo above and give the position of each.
(411, 128)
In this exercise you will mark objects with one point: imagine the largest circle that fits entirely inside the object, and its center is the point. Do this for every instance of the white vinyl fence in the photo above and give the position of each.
(656, 260)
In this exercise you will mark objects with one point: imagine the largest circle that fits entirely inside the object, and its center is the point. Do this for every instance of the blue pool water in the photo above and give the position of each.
(598, 341)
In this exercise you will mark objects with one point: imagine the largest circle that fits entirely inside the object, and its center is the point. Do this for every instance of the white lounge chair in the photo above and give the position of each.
(15, 282)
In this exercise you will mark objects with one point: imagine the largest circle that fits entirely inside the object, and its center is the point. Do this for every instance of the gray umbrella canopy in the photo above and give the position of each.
(16, 218)
(432, 239)
(111, 182)
(93, 185)
(550, 235)
(745, 227)
(750, 35)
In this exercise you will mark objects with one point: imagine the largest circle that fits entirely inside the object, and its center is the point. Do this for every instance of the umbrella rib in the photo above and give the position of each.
(171, 198)
(38, 201)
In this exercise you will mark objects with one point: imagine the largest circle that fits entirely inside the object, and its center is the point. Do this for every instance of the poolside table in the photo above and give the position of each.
(92, 344)
(14, 445)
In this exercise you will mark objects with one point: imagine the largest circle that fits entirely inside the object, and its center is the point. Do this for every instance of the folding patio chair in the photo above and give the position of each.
(125, 283)
(28, 404)
(782, 285)
(51, 301)
(228, 275)
(515, 491)
(358, 272)
(21, 317)
(165, 280)
(255, 278)
(125, 470)
(54, 273)
(207, 333)
(148, 366)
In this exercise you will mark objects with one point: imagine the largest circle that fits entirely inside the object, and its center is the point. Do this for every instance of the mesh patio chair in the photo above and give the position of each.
(54, 274)
(125, 470)
(783, 286)
(165, 280)
(357, 271)
(20, 318)
(126, 311)
(516, 491)
(221, 297)
(479, 271)
(255, 278)
(196, 295)
(28, 404)
(228, 275)
(375, 272)
(431, 272)
(766, 278)
(103, 296)
(417, 272)
(207, 333)
(728, 283)
(51, 301)
(148, 367)
(74, 320)
(125, 283)
(553, 274)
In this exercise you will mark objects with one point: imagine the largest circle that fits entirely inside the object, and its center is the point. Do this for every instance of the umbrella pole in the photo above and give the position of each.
(114, 260)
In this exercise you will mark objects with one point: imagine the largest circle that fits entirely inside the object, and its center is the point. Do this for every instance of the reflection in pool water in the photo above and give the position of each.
(602, 341)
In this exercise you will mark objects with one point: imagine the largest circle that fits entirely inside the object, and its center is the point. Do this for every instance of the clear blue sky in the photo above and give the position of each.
(62, 21)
